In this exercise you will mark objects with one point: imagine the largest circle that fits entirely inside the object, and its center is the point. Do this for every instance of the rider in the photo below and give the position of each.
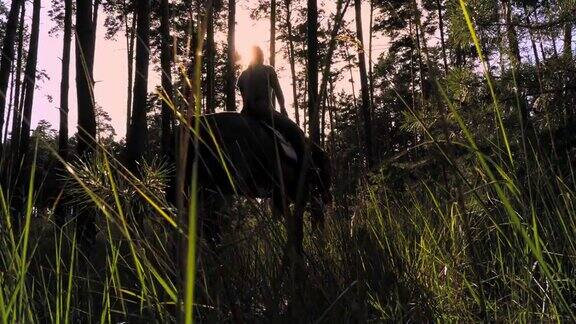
(258, 84)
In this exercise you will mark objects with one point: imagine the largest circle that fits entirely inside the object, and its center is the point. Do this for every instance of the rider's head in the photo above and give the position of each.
(257, 56)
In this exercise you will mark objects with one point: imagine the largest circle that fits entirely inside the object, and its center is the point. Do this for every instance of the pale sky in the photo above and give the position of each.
(110, 69)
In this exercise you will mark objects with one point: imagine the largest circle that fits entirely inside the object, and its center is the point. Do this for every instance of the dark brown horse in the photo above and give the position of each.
(239, 155)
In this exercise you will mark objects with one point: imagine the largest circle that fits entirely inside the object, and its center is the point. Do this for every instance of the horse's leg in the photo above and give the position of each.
(297, 219)
(211, 219)
(295, 228)
(214, 206)
(317, 211)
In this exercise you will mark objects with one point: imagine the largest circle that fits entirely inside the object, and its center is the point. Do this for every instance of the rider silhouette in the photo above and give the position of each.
(258, 85)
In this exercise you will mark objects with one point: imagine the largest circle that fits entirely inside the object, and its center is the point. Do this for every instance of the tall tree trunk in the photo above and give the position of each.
(166, 62)
(354, 98)
(568, 40)
(412, 69)
(442, 39)
(327, 61)
(84, 78)
(17, 112)
(65, 82)
(304, 90)
(331, 109)
(273, 33)
(312, 41)
(210, 54)
(323, 121)
(515, 59)
(370, 62)
(292, 60)
(10, 106)
(231, 67)
(541, 45)
(30, 81)
(421, 68)
(137, 134)
(554, 45)
(534, 50)
(273, 37)
(168, 139)
(567, 54)
(20, 148)
(7, 58)
(94, 26)
(63, 149)
(351, 72)
(364, 88)
(511, 34)
(130, 40)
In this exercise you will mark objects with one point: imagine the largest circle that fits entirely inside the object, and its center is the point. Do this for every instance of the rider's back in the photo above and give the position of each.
(255, 85)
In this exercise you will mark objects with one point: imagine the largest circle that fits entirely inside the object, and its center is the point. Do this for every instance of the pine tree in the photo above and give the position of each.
(137, 133)
(7, 58)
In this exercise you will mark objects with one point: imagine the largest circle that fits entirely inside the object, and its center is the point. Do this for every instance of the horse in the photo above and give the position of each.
(239, 155)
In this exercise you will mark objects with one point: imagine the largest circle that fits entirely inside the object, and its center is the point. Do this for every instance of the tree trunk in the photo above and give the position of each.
(305, 121)
(442, 39)
(352, 84)
(166, 62)
(84, 78)
(130, 40)
(323, 121)
(331, 109)
(10, 106)
(354, 99)
(515, 59)
(327, 62)
(210, 54)
(421, 68)
(19, 91)
(7, 57)
(30, 81)
(312, 41)
(534, 50)
(568, 40)
(94, 26)
(273, 38)
(370, 62)
(137, 134)
(364, 88)
(65, 82)
(63, 149)
(511, 34)
(231, 79)
(292, 61)
(273, 33)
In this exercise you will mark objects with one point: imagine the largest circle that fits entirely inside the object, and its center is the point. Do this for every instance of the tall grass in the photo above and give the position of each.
(404, 255)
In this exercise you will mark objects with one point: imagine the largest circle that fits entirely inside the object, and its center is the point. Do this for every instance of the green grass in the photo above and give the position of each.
(405, 255)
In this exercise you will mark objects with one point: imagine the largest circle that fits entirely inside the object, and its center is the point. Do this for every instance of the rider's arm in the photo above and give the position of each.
(278, 91)
(240, 86)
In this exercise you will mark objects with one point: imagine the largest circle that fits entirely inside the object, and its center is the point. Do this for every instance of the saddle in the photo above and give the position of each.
(286, 148)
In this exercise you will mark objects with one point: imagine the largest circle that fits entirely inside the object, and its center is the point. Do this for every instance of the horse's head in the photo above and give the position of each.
(320, 180)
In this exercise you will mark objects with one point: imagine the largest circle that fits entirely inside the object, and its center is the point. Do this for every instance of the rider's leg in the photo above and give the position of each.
(293, 134)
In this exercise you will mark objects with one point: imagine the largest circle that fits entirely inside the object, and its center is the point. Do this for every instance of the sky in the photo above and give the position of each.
(110, 66)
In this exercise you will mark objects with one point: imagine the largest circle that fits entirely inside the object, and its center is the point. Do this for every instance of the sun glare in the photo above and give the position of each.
(244, 50)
